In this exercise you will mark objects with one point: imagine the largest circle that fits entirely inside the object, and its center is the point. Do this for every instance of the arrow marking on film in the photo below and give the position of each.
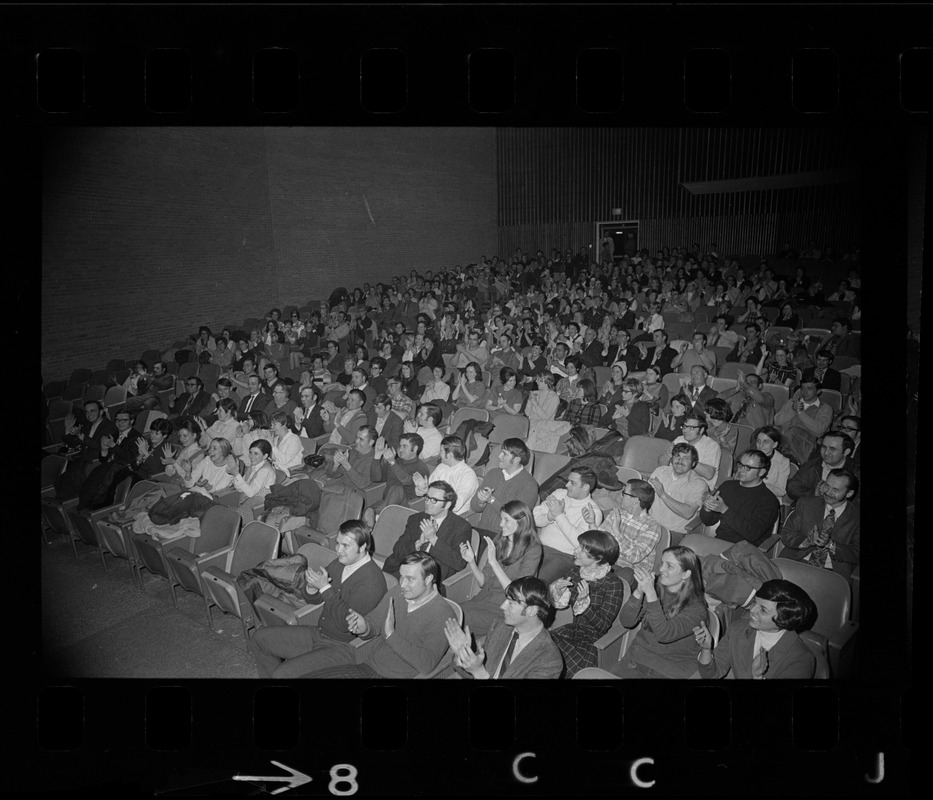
(295, 779)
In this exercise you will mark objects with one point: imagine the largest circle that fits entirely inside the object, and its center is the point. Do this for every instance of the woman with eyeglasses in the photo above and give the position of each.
(513, 553)
(667, 606)
(594, 592)
(632, 416)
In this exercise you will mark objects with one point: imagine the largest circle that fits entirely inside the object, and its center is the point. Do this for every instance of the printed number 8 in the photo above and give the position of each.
(342, 773)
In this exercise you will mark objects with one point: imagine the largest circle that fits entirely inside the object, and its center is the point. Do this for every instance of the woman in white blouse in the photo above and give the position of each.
(260, 475)
(180, 467)
(226, 425)
(210, 475)
(438, 389)
(287, 450)
(767, 439)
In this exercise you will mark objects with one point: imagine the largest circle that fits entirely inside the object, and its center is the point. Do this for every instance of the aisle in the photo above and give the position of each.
(96, 625)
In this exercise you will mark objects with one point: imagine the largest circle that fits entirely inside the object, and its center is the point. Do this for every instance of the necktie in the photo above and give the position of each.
(508, 654)
(820, 555)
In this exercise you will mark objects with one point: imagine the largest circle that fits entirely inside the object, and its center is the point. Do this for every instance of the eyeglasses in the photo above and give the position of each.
(740, 465)
(685, 425)
(629, 494)
(850, 428)
(428, 497)
(122, 419)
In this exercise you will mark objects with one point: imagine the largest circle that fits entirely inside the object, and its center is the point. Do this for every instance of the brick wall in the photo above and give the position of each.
(149, 232)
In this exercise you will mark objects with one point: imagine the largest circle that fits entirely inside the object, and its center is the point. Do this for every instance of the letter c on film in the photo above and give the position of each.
(634, 773)
(518, 773)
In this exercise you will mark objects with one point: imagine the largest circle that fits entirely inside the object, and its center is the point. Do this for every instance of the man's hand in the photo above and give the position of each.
(470, 661)
(457, 637)
(319, 580)
(380, 447)
(106, 441)
(703, 637)
(389, 628)
(484, 494)
(555, 506)
(657, 486)
(428, 531)
(588, 516)
(357, 624)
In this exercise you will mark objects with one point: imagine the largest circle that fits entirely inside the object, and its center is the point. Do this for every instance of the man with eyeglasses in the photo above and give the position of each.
(851, 426)
(708, 449)
(195, 402)
(824, 530)
(679, 489)
(436, 530)
(118, 452)
(835, 452)
(744, 509)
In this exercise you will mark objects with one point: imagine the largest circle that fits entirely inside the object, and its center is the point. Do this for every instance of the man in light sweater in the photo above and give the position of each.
(564, 515)
(409, 626)
(509, 481)
(425, 425)
(454, 470)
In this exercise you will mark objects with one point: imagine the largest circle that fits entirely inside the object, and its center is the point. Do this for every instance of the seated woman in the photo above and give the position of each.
(340, 384)
(155, 453)
(779, 369)
(226, 424)
(208, 477)
(670, 426)
(410, 386)
(280, 401)
(654, 392)
(179, 469)
(611, 394)
(255, 426)
(768, 439)
(438, 390)
(583, 408)
(505, 398)
(718, 414)
(514, 553)
(260, 475)
(470, 391)
(668, 606)
(780, 611)
(594, 592)
(287, 450)
(138, 395)
(632, 417)
(788, 317)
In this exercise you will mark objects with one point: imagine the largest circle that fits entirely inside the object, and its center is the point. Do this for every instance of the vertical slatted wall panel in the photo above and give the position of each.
(554, 184)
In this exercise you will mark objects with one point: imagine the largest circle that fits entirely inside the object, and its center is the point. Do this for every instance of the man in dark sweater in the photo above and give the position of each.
(742, 506)
(397, 469)
(352, 581)
(509, 481)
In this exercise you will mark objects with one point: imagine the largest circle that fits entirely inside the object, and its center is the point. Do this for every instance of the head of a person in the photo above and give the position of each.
(159, 368)
(473, 372)
(308, 396)
(694, 426)
(652, 374)
(219, 449)
(581, 483)
(637, 496)
(257, 420)
(586, 390)
(355, 399)
(123, 420)
(453, 450)
(332, 348)
(394, 386)
(513, 455)
(681, 574)
(840, 486)
(270, 373)
(358, 377)
(767, 439)
(280, 393)
(660, 338)
(516, 521)
(382, 405)
(617, 372)
(419, 575)
(280, 423)
(365, 439)
(751, 467)
(410, 446)
(545, 381)
(440, 498)
(810, 389)
(699, 341)
(851, 425)
(193, 384)
(698, 376)
(717, 411)
(573, 364)
(780, 605)
(527, 603)
(835, 448)
(354, 542)
(259, 451)
(752, 332)
(823, 359)
(254, 384)
(188, 432)
(840, 326)
(226, 408)
(429, 416)
(594, 548)
(684, 457)
(632, 389)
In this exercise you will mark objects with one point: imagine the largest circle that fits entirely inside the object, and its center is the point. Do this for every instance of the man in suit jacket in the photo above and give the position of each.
(592, 352)
(750, 405)
(828, 378)
(661, 356)
(87, 435)
(835, 453)
(780, 609)
(824, 530)
(840, 342)
(518, 645)
(623, 351)
(388, 426)
(193, 403)
(436, 530)
(310, 421)
(256, 400)
(352, 581)
(696, 391)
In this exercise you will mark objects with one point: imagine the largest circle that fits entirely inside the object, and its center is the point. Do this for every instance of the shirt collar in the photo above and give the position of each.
(414, 605)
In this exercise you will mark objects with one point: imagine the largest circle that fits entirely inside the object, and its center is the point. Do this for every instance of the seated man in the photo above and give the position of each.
(270, 377)
(195, 402)
(744, 508)
(518, 645)
(661, 354)
(753, 351)
(679, 489)
(388, 425)
(802, 420)
(506, 482)
(835, 453)
(750, 405)
(138, 393)
(696, 390)
(824, 530)
(633, 528)
(351, 469)
(840, 342)
(409, 625)
(344, 424)
(764, 645)
(402, 405)
(697, 355)
(358, 380)
(504, 356)
(255, 400)
(472, 349)
(308, 416)
(351, 581)
(223, 391)
(708, 449)
(436, 530)
(398, 469)
(425, 425)
(562, 517)
(829, 378)
(454, 470)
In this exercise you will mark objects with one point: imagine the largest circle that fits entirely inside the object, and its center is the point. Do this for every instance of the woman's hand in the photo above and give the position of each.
(703, 637)
(466, 552)
(490, 551)
(645, 579)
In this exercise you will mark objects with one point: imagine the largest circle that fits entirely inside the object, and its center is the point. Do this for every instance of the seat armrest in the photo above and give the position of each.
(309, 615)
(219, 558)
(459, 587)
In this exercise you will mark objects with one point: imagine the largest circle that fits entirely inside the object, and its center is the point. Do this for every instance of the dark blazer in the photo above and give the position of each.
(707, 393)
(808, 477)
(664, 359)
(809, 512)
(127, 451)
(789, 658)
(262, 400)
(91, 444)
(630, 356)
(831, 378)
(191, 406)
(361, 593)
(454, 530)
(593, 354)
(391, 430)
(540, 659)
(312, 425)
